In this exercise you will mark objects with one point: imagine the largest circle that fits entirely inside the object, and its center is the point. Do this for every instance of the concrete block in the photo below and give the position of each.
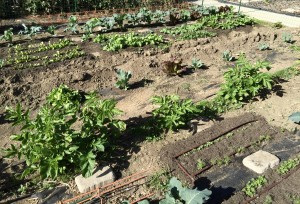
(102, 176)
(260, 161)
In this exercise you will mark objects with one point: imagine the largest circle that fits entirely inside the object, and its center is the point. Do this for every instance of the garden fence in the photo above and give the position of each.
(18, 8)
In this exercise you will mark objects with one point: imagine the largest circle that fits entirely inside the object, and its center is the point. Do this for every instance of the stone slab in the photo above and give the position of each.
(102, 176)
(260, 161)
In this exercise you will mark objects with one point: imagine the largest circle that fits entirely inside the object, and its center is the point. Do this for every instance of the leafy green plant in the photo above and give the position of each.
(51, 29)
(90, 25)
(179, 194)
(173, 112)
(295, 117)
(119, 18)
(286, 166)
(51, 145)
(160, 180)
(30, 31)
(220, 161)
(123, 79)
(197, 64)
(263, 46)
(227, 56)
(119, 41)
(253, 185)
(2, 63)
(268, 200)
(188, 32)
(287, 37)
(7, 35)
(72, 25)
(200, 164)
(242, 83)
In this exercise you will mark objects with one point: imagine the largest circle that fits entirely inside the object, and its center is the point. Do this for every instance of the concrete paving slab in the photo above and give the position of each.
(289, 21)
(260, 161)
(102, 175)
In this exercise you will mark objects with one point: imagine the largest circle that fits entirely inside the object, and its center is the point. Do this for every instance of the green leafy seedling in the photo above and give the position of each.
(197, 64)
(7, 36)
(200, 164)
(287, 37)
(253, 185)
(227, 56)
(123, 79)
(295, 117)
(51, 30)
(263, 46)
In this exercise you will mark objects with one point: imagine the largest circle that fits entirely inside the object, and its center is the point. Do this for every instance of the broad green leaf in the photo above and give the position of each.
(295, 117)
(195, 196)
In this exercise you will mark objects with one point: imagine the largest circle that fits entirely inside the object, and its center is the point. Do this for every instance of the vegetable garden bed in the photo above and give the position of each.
(161, 56)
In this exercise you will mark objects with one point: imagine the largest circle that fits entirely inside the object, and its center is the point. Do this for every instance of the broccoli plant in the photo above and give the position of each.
(30, 31)
(123, 78)
(287, 37)
(197, 64)
(51, 29)
(53, 145)
(295, 117)
(119, 19)
(7, 36)
(90, 25)
(72, 25)
(263, 46)
(227, 56)
(178, 194)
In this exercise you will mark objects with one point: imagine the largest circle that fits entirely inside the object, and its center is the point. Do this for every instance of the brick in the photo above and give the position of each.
(260, 161)
(102, 176)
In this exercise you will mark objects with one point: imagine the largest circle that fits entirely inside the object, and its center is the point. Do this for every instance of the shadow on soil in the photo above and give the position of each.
(218, 194)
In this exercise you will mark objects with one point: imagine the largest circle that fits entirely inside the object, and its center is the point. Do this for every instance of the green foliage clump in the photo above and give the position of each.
(263, 46)
(178, 194)
(295, 117)
(242, 83)
(287, 37)
(68, 133)
(197, 64)
(173, 112)
(288, 165)
(7, 35)
(123, 78)
(72, 25)
(253, 185)
(121, 41)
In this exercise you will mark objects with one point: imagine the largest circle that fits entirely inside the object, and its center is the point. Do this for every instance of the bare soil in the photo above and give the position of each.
(96, 72)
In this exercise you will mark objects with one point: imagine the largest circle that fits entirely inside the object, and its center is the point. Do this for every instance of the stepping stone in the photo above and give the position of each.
(260, 161)
(102, 176)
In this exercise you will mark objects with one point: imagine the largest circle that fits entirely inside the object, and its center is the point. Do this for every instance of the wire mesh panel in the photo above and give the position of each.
(16, 8)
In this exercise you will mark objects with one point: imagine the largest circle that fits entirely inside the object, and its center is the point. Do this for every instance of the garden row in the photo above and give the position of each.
(144, 17)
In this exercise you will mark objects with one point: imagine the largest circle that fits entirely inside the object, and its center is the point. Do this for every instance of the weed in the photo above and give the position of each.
(2, 63)
(253, 185)
(286, 74)
(123, 79)
(295, 199)
(221, 161)
(200, 164)
(159, 180)
(240, 150)
(277, 25)
(197, 64)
